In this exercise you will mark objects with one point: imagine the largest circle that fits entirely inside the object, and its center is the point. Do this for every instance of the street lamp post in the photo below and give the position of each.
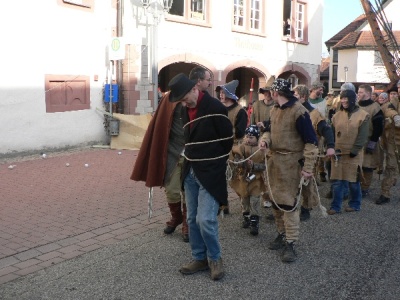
(346, 69)
(157, 8)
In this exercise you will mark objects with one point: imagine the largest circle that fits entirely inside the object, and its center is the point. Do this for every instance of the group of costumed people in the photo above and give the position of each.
(196, 145)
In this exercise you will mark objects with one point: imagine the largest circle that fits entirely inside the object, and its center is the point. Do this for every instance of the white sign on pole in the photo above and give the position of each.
(116, 49)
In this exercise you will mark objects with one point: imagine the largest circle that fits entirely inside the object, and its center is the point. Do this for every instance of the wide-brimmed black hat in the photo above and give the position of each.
(180, 85)
(264, 89)
(392, 89)
(268, 85)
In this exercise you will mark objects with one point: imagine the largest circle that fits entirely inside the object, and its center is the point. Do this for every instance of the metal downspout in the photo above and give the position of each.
(120, 8)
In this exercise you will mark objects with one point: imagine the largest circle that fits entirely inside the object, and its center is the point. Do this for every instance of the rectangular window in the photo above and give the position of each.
(295, 20)
(335, 56)
(378, 59)
(67, 93)
(255, 15)
(300, 21)
(197, 11)
(335, 83)
(238, 13)
(189, 11)
(248, 16)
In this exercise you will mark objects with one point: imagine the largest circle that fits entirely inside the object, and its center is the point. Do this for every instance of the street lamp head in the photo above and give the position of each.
(166, 4)
(145, 3)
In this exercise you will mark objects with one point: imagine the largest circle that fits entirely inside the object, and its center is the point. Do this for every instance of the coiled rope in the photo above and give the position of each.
(303, 182)
(150, 199)
(207, 142)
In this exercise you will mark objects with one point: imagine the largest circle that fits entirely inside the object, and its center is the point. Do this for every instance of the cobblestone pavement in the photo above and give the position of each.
(68, 204)
(76, 232)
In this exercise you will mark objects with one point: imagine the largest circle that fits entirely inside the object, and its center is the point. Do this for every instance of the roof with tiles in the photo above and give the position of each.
(361, 39)
(324, 68)
(352, 27)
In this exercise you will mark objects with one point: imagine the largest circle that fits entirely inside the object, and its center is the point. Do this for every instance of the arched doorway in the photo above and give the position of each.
(169, 71)
(250, 80)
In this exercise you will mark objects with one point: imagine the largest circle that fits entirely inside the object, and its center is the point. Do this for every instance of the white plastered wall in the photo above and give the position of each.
(46, 38)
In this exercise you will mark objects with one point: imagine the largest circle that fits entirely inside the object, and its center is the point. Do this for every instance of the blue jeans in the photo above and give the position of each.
(202, 210)
(339, 188)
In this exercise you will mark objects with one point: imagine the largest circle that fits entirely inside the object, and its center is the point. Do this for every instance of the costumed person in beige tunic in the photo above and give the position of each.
(351, 126)
(236, 113)
(292, 144)
(388, 144)
(336, 107)
(322, 129)
(371, 159)
(316, 101)
(260, 116)
(247, 178)
(330, 97)
(159, 161)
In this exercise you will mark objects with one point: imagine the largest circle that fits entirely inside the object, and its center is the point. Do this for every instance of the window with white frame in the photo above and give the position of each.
(238, 13)
(247, 16)
(299, 19)
(294, 20)
(189, 10)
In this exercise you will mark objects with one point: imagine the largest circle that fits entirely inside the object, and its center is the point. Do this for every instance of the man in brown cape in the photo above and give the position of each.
(159, 161)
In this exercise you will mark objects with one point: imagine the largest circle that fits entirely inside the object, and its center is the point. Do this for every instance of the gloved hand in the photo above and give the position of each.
(352, 155)
(396, 120)
(370, 147)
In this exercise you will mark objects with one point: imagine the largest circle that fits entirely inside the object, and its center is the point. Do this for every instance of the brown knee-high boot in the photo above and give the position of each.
(185, 228)
(176, 217)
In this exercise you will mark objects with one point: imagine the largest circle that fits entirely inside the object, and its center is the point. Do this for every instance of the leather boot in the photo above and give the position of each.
(246, 220)
(176, 217)
(304, 214)
(185, 227)
(254, 220)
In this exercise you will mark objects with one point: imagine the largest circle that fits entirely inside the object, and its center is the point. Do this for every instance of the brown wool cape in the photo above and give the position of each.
(151, 161)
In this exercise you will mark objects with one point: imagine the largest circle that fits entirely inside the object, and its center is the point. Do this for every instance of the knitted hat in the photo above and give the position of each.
(282, 85)
(347, 86)
(253, 130)
(351, 97)
(229, 89)
(180, 85)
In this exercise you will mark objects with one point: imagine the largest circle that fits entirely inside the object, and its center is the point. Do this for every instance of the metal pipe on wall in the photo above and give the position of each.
(120, 8)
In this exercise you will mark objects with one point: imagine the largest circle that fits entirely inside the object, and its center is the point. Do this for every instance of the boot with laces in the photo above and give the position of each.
(254, 220)
(246, 220)
(194, 266)
(217, 269)
(288, 254)
(278, 243)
